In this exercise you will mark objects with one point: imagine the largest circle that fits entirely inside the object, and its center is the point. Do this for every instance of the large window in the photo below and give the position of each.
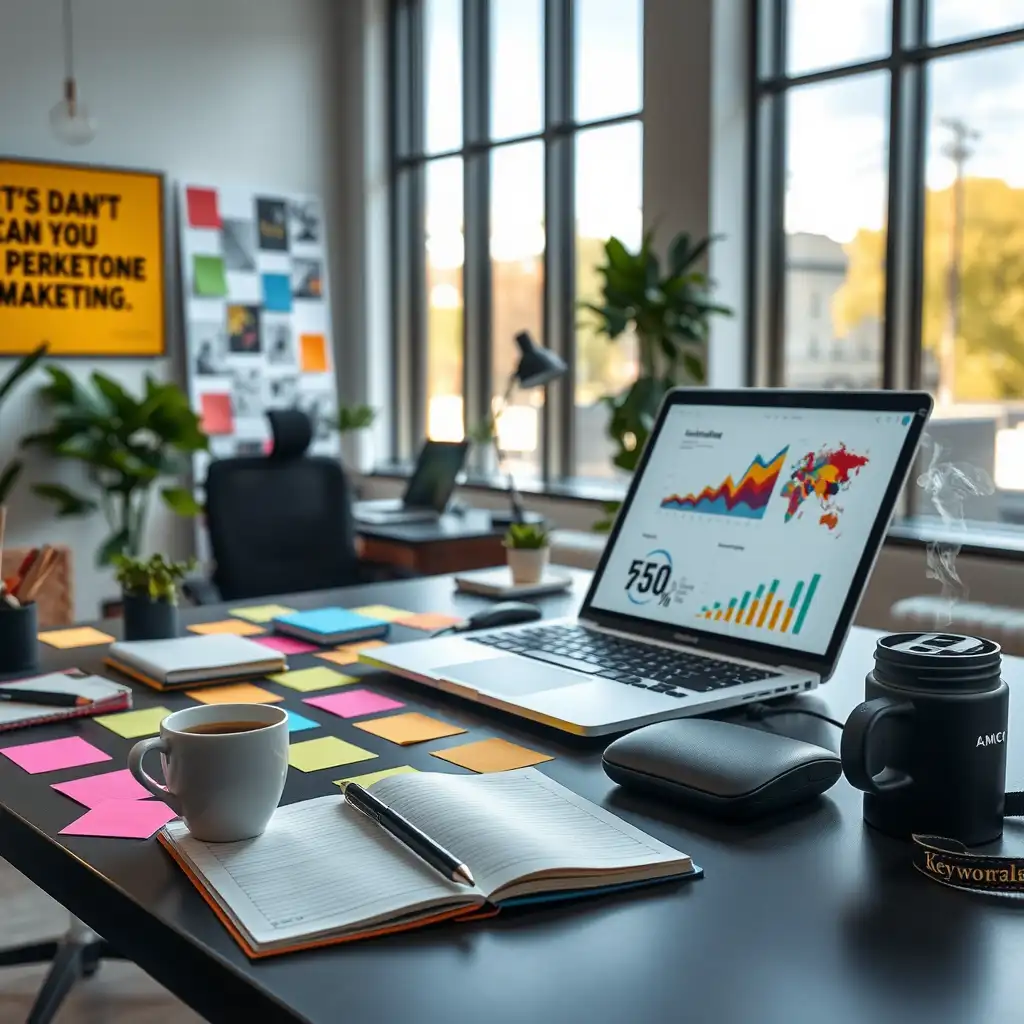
(517, 150)
(888, 221)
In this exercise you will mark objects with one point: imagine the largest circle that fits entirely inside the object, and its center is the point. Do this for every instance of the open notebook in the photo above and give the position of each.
(324, 873)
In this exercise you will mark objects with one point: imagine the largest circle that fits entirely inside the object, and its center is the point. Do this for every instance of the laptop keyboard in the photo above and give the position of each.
(631, 662)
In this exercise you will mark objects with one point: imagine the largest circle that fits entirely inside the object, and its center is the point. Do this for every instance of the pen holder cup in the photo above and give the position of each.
(19, 646)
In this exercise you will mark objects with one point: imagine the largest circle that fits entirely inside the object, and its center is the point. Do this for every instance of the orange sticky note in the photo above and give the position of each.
(429, 621)
(233, 626)
(491, 756)
(382, 611)
(340, 656)
(235, 693)
(365, 645)
(313, 353)
(409, 728)
(81, 636)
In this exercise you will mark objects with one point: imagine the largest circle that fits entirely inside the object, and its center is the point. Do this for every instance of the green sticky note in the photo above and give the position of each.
(305, 680)
(371, 777)
(208, 276)
(261, 612)
(132, 724)
(326, 752)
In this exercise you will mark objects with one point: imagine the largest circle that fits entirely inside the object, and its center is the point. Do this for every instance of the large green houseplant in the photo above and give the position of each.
(127, 445)
(12, 470)
(669, 311)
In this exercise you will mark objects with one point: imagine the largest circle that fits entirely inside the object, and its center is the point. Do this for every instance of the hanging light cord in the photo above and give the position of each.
(69, 67)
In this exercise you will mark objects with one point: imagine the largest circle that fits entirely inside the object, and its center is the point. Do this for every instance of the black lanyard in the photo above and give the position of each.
(949, 862)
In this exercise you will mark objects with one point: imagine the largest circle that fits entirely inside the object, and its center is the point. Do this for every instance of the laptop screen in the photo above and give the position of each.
(751, 522)
(433, 480)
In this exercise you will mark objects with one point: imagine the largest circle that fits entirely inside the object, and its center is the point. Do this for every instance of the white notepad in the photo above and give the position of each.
(105, 696)
(325, 873)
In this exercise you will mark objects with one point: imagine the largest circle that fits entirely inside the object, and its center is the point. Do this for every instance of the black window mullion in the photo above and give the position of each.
(476, 272)
(775, 242)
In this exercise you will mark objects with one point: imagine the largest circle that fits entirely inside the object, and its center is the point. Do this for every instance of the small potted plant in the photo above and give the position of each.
(150, 589)
(527, 547)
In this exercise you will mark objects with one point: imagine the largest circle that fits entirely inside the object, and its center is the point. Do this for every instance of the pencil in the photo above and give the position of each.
(48, 697)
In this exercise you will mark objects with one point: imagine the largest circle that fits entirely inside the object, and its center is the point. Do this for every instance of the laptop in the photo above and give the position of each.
(732, 573)
(427, 493)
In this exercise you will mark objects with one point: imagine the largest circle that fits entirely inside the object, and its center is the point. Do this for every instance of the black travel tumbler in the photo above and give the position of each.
(928, 746)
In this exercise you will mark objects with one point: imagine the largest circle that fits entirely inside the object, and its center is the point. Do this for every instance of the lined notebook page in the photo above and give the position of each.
(320, 868)
(511, 824)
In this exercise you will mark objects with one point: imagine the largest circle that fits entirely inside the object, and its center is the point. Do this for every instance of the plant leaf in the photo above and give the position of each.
(8, 478)
(68, 503)
(181, 500)
(20, 369)
(113, 545)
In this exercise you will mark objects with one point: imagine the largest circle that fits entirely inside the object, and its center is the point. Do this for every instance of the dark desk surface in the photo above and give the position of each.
(474, 522)
(805, 917)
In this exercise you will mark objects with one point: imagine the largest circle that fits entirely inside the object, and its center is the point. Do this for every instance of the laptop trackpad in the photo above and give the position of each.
(510, 677)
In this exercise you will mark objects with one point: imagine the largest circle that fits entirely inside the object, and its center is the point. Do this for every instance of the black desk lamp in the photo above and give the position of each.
(537, 368)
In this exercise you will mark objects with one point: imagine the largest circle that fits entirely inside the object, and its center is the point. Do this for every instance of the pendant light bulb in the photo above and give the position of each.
(70, 119)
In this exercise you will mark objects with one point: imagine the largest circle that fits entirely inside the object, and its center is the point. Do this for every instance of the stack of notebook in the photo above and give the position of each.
(329, 626)
(324, 873)
(194, 660)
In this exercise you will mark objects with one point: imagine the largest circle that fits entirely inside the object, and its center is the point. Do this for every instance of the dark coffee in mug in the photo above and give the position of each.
(223, 728)
(928, 746)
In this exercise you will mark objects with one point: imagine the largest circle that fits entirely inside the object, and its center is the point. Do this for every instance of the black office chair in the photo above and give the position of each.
(281, 523)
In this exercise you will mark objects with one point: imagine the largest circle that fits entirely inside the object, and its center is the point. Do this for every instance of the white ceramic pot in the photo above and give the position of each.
(528, 564)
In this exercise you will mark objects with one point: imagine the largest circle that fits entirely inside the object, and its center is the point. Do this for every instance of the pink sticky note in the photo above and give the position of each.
(52, 755)
(121, 819)
(286, 645)
(96, 789)
(353, 703)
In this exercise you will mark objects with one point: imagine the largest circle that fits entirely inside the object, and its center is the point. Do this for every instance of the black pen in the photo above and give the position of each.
(48, 697)
(408, 834)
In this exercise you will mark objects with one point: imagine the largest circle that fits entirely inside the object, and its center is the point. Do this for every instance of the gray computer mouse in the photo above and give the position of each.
(720, 768)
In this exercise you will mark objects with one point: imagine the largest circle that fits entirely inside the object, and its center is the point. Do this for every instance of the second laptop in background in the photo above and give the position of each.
(429, 489)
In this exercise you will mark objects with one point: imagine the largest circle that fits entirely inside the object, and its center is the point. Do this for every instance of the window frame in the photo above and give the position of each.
(909, 55)
(408, 160)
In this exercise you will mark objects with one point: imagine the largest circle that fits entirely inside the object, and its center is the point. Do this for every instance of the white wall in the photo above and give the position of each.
(256, 92)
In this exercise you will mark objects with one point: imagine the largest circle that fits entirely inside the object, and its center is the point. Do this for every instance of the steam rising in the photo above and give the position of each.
(948, 485)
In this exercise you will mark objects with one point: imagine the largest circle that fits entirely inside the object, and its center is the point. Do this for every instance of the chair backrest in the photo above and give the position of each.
(280, 523)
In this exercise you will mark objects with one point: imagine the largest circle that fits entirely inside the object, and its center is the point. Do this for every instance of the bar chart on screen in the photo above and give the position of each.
(768, 605)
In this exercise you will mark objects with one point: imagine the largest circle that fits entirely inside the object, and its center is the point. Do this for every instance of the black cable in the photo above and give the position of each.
(759, 712)
(446, 631)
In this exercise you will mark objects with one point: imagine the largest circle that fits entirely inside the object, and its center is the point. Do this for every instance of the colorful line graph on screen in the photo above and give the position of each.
(745, 499)
(762, 608)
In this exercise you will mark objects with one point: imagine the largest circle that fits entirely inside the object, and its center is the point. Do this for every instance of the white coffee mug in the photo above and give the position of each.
(226, 785)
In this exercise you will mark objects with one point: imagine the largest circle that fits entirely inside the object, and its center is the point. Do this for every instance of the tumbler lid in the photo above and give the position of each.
(937, 658)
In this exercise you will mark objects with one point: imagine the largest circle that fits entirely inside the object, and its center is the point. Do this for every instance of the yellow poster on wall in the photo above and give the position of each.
(81, 260)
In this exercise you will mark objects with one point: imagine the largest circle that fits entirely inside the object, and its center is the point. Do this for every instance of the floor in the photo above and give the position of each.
(118, 994)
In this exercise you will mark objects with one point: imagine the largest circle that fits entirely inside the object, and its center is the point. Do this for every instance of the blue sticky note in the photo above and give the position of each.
(300, 723)
(277, 293)
(330, 626)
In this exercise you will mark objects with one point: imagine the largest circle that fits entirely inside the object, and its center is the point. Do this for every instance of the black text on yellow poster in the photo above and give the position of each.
(81, 260)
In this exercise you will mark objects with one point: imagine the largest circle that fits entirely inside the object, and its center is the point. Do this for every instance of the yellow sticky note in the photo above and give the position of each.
(235, 693)
(382, 611)
(491, 756)
(233, 626)
(326, 752)
(306, 680)
(339, 657)
(261, 612)
(132, 724)
(81, 636)
(371, 777)
(409, 728)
